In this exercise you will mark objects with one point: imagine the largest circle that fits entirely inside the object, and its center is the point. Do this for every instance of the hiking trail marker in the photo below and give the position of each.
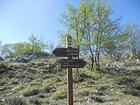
(69, 64)
(72, 63)
(65, 52)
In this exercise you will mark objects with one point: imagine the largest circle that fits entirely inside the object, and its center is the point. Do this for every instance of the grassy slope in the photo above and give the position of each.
(34, 84)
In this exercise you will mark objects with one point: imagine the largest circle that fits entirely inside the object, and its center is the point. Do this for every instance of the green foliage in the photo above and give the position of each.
(36, 87)
(22, 48)
(35, 101)
(47, 83)
(133, 42)
(30, 90)
(60, 94)
(16, 100)
(50, 46)
(34, 46)
(8, 50)
(84, 91)
(47, 88)
(4, 65)
(89, 73)
(92, 29)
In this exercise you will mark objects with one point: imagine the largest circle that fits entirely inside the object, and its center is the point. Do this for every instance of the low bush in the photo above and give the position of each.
(61, 92)
(3, 65)
(89, 74)
(35, 101)
(16, 100)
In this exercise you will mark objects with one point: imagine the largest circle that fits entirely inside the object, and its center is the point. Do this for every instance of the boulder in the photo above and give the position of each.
(120, 67)
(137, 62)
(5, 70)
(8, 60)
(25, 58)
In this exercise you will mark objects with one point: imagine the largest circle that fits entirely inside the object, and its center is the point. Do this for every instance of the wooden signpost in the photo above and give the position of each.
(66, 52)
(72, 63)
(69, 63)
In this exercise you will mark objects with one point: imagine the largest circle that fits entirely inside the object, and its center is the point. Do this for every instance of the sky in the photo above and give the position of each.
(20, 18)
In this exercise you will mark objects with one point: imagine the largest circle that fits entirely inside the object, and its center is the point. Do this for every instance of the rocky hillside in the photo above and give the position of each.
(43, 82)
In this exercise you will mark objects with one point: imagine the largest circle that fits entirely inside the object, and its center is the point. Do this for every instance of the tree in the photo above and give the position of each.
(50, 46)
(134, 39)
(71, 20)
(22, 48)
(104, 29)
(36, 44)
(76, 20)
(116, 45)
(91, 27)
(7, 50)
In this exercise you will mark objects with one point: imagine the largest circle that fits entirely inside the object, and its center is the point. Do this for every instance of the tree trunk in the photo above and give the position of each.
(78, 47)
(134, 53)
(92, 59)
(98, 61)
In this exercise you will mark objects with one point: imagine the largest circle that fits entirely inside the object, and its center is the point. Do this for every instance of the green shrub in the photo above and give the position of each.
(84, 91)
(35, 87)
(29, 90)
(35, 101)
(89, 73)
(16, 100)
(61, 92)
(4, 81)
(47, 83)
(34, 46)
(3, 65)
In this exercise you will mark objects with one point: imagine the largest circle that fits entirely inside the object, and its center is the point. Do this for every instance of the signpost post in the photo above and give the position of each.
(69, 64)
(69, 74)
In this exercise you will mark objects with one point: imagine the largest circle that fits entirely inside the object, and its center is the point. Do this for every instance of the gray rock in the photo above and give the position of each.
(4, 70)
(8, 59)
(96, 98)
(121, 67)
(51, 65)
(1, 59)
(25, 58)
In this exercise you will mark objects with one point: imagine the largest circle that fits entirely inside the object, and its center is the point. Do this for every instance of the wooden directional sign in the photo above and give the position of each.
(69, 63)
(65, 52)
(72, 63)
